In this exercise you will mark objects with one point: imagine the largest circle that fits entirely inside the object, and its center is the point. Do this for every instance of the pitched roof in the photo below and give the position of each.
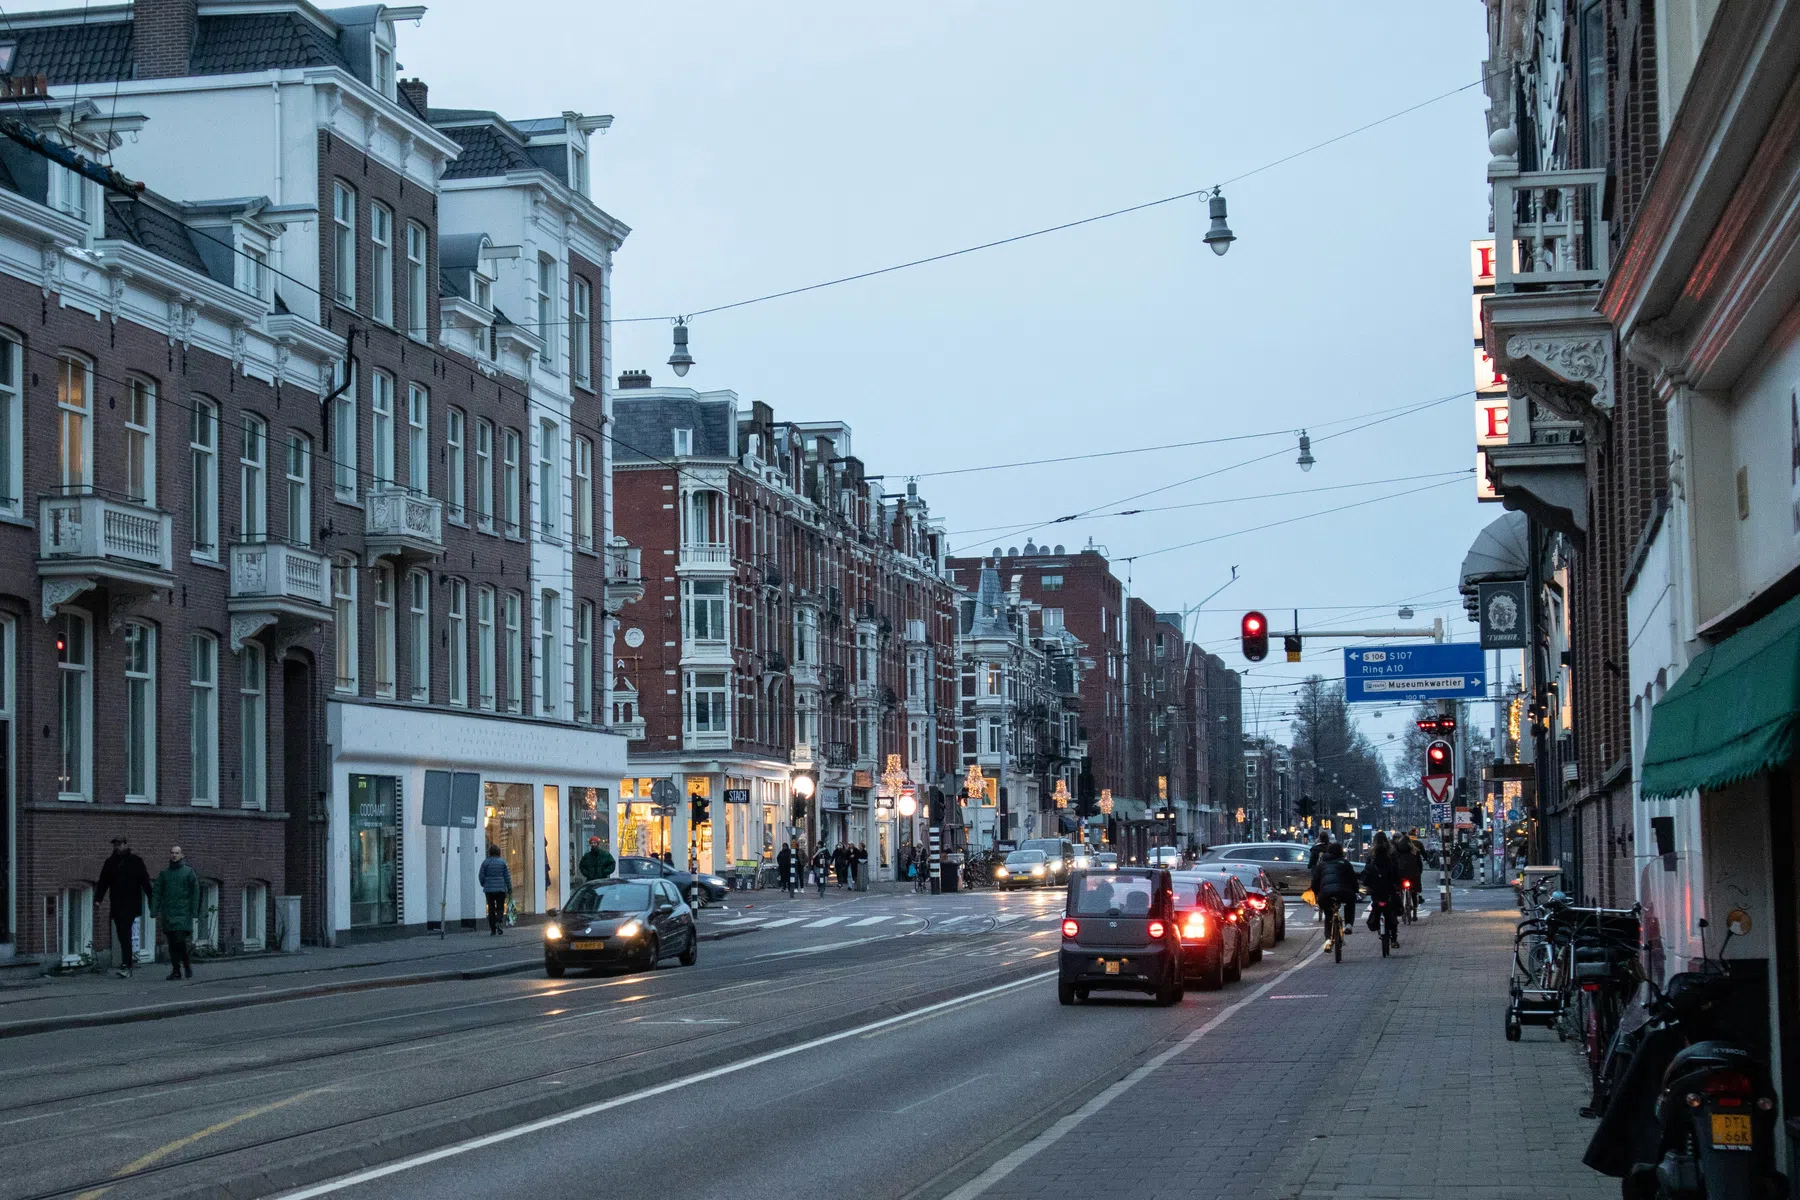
(74, 53)
(644, 425)
(149, 226)
(228, 45)
(486, 149)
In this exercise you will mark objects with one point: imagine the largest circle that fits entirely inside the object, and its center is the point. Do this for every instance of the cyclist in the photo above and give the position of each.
(1314, 854)
(1382, 878)
(1334, 884)
(1411, 864)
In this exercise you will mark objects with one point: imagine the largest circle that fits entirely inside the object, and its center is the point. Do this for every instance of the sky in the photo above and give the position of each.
(759, 147)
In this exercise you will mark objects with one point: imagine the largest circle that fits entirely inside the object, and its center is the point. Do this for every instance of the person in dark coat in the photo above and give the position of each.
(495, 878)
(840, 865)
(821, 865)
(597, 863)
(128, 880)
(1382, 879)
(1312, 861)
(862, 866)
(1334, 885)
(1411, 864)
(175, 901)
(784, 868)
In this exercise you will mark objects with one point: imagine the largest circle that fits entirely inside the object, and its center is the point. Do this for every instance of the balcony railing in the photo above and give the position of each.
(277, 571)
(692, 740)
(624, 573)
(1548, 229)
(398, 520)
(839, 754)
(705, 554)
(98, 528)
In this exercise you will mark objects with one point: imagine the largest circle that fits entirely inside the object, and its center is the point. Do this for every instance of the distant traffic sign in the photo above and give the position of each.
(1440, 813)
(1446, 671)
(1437, 787)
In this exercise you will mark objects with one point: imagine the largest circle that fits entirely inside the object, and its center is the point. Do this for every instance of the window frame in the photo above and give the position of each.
(345, 634)
(345, 462)
(253, 478)
(12, 425)
(80, 671)
(203, 470)
(254, 901)
(545, 303)
(511, 450)
(343, 244)
(418, 439)
(581, 331)
(297, 475)
(691, 697)
(487, 685)
(203, 720)
(549, 478)
(140, 692)
(456, 623)
(381, 262)
(484, 475)
(253, 727)
(418, 611)
(695, 602)
(584, 662)
(382, 631)
(583, 473)
(513, 615)
(418, 296)
(549, 655)
(140, 440)
(75, 476)
(381, 429)
(456, 490)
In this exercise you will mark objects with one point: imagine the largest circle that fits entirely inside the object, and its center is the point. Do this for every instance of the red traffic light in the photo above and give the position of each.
(1437, 725)
(1254, 633)
(1437, 758)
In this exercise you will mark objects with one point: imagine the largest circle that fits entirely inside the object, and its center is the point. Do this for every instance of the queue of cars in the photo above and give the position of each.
(1151, 930)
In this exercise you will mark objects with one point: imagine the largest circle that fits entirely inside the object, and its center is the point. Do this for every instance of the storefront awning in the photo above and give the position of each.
(1733, 714)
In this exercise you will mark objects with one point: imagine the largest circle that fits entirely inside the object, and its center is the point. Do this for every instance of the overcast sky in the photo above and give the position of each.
(763, 146)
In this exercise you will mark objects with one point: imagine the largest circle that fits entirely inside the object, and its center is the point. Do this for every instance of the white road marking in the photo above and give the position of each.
(953, 920)
(1019, 1157)
(735, 921)
(870, 921)
(818, 949)
(784, 921)
(518, 1131)
(820, 924)
(965, 1083)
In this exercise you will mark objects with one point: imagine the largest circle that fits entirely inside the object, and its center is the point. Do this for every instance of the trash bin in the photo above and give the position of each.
(950, 872)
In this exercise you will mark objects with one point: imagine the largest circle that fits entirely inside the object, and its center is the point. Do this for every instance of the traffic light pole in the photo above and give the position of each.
(1446, 832)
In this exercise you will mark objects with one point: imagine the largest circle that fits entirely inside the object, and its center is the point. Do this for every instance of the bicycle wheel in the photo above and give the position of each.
(1337, 936)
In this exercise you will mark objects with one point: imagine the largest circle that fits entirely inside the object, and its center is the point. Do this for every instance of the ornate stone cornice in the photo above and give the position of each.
(1575, 359)
(60, 589)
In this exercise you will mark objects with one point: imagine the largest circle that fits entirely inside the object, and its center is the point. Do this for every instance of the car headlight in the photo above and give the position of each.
(630, 929)
(1037, 870)
(1000, 872)
(553, 932)
(712, 881)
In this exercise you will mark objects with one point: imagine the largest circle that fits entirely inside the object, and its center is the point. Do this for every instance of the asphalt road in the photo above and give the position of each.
(824, 1054)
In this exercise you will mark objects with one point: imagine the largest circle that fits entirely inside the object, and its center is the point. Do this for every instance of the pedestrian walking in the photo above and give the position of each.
(127, 879)
(840, 865)
(821, 863)
(597, 863)
(862, 866)
(784, 869)
(175, 901)
(495, 878)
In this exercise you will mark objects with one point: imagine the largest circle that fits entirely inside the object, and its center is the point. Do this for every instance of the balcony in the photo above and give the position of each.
(399, 523)
(273, 583)
(705, 556)
(803, 755)
(863, 691)
(89, 541)
(693, 740)
(1546, 338)
(707, 651)
(631, 731)
(839, 754)
(624, 575)
(806, 675)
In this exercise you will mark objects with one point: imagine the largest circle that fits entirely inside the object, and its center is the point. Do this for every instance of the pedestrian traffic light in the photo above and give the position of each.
(699, 810)
(1255, 636)
(1291, 643)
(1437, 758)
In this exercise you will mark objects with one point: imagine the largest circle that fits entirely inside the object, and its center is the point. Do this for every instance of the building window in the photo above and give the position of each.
(584, 493)
(484, 647)
(509, 479)
(140, 441)
(581, 331)
(705, 610)
(584, 661)
(418, 586)
(515, 654)
(381, 238)
(299, 489)
(993, 735)
(459, 643)
(253, 723)
(684, 442)
(455, 425)
(549, 618)
(343, 441)
(418, 310)
(140, 714)
(74, 422)
(578, 169)
(1050, 583)
(343, 621)
(546, 309)
(72, 193)
(1053, 619)
(74, 661)
(806, 635)
(484, 475)
(549, 480)
(990, 680)
(865, 656)
(253, 471)
(418, 454)
(203, 451)
(384, 632)
(12, 429)
(805, 720)
(706, 702)
(343, 219)
(253, 270)
(203, 720)
(384, 70)
(256, 916)
(381, 435)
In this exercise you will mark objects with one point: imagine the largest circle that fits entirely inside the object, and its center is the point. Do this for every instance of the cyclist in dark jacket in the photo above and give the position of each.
(1411, 864)
(1334, 884)
(1382, 878)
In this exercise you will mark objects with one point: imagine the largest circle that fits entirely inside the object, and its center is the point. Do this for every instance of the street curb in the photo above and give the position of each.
(186, 1008)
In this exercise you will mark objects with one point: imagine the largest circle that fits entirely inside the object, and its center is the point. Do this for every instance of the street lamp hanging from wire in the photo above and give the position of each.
(679, 359)
(1306, 458)
(1219, 236)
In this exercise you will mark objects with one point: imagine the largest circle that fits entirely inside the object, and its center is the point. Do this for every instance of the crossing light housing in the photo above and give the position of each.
(1255, 636)
(1291, 643)
(1437, 757)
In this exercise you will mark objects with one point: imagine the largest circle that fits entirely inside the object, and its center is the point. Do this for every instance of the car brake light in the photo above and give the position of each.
(1071, 927)
(1231, 916)
(1156, 929)
(1590, 987)
(1196, 926)
(1257, 902)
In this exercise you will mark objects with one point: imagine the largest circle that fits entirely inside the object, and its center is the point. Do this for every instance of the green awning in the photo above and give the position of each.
(1733, 714)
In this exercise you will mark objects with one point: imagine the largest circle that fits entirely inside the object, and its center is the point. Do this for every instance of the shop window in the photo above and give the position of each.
(511, 827)
(374, 850)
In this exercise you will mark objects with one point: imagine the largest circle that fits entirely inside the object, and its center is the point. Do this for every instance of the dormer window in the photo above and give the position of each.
(384, 60)
(578, 169)
(481, 290)
(253, 270)
(72, 193)
(684, 442)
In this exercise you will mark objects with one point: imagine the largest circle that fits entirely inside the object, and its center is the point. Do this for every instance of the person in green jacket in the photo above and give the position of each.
(597, 863)
(175, 899)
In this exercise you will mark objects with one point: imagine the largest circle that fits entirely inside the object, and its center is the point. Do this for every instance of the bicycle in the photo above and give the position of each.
(1409, 910)
(1334, 928)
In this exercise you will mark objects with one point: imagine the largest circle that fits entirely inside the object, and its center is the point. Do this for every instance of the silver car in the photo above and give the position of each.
(1286, 862)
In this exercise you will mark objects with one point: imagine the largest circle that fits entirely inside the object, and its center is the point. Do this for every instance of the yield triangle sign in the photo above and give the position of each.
(1438, 787)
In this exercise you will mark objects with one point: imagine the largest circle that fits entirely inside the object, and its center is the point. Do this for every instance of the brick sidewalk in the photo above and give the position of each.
(1366, 1080)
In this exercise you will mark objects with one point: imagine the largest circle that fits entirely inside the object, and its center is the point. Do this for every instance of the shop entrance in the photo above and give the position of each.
(374, 850)
(511, 828)
(590, 809)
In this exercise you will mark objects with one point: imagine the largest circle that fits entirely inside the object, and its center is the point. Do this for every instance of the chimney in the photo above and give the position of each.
(415, 92)
(162, 37)
(633, 379)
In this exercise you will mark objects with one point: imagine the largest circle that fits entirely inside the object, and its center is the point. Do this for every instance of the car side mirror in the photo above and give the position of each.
(663, 910)
(551, 912)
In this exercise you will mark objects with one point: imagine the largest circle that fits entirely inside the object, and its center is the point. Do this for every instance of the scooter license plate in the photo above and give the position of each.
(1730, 1131)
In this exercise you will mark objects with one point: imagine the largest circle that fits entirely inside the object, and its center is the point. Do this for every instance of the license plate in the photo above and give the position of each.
(1730, 1131)
(1112, 966)
(587, 945)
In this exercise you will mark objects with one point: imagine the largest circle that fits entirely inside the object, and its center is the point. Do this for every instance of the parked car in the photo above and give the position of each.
(1059, 856)
(1211, 946)
(700, 890)
(1286, 862)
(1119, 934)
(1238, 910)
(1022, 868)
(1166, 857)
(1265, 897)
(620, 922)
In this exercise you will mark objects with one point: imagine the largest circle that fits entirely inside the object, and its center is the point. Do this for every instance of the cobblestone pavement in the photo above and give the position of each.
(1367, 1080)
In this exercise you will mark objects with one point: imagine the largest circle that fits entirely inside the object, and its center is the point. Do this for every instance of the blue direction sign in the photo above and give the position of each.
(1429, 671)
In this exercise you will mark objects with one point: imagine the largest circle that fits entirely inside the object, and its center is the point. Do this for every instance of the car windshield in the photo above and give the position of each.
(1024, 858)
(619, 898)
(1187, 893)
(1113, 896)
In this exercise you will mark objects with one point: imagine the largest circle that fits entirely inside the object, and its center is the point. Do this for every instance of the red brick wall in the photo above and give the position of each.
(162, 37)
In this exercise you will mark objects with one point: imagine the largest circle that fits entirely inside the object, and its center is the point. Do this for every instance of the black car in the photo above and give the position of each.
(1239, 911)
(621, 922)
(1119, 933)
(700, 890)
(1265, 896)
(1212, 947)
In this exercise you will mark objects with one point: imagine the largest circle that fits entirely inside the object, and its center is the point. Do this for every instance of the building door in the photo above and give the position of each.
(511, 828)
(374, 850)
